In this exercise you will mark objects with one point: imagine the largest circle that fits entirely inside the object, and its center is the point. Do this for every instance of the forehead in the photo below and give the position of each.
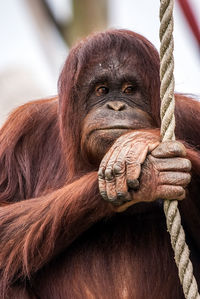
(113, 65)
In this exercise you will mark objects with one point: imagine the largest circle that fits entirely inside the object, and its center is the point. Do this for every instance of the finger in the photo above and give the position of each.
(101, 176)
(108, 156)
(173, 164)
(174, 178)
(169, 149)
(170, 192)
(122, 189)
(152, 146)
(120, 180)
(119, 164)
(111, 190)
(119, 171)
(116, 188)
(102, 189)
(135, 158)
(106, 177)
(109, 175)
(103, 164)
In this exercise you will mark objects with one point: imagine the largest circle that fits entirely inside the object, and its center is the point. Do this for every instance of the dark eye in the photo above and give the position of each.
(129, 89)
(101, 90)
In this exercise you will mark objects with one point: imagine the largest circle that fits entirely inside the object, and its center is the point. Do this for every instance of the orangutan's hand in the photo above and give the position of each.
(164, 174)
(121, 166)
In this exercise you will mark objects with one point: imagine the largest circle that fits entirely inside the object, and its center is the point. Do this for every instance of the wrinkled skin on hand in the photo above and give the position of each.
(138, 168)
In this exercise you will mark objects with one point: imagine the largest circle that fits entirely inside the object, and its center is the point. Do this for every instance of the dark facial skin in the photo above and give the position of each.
(117, 103)
(130, 169)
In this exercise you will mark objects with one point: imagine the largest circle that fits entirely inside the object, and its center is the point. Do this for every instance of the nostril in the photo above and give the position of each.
(121, 107)
(109, 106)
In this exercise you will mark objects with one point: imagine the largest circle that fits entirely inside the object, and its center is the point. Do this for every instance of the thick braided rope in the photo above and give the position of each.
(173, 218)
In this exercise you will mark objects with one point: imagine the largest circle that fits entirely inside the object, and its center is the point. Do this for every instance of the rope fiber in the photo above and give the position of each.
(173, 218)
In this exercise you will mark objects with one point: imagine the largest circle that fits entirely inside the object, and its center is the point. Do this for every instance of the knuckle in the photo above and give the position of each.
(183, 179)
(157, 151)
(182, 194)
(118, 168)
(188, 178)
(108, 174)
(180, 191)
(188, 164)
(101, 173)
(179, 148)
(129, 159)
(169, 148)
(103, 162)
(175, 192)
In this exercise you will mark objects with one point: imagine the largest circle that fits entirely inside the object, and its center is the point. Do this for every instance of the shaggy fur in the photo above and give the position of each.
(58, 238)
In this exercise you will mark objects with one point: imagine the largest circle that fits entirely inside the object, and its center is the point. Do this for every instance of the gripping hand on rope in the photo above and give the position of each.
(138, 168)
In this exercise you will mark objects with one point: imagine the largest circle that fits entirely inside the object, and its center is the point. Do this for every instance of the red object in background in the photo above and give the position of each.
(189, 14)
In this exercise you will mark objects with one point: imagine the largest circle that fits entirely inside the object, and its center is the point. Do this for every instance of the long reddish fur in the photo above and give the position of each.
(49, 197)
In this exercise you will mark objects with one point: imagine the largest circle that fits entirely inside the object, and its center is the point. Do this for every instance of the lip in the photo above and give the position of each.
(120, 127)
(114, 128)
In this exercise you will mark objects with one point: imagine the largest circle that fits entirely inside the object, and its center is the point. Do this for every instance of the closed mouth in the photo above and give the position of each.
(112, 128)
(120, 127)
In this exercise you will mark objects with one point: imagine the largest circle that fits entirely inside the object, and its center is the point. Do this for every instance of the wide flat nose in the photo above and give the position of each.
(116, 105)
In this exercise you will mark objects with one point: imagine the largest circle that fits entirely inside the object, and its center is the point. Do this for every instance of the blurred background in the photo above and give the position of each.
(35, 37)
